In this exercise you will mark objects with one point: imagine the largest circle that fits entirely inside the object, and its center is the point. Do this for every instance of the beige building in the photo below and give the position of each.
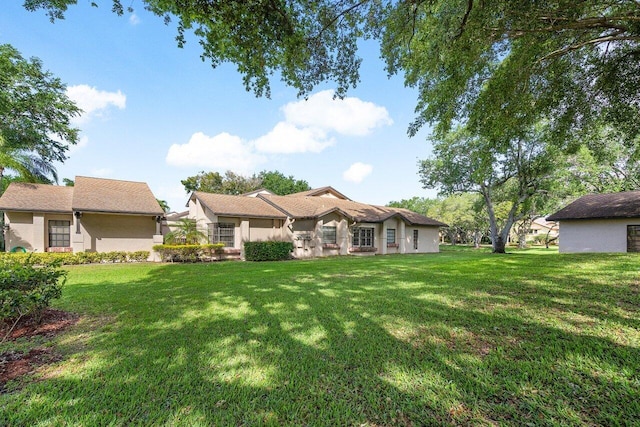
(319, 222)
(600, 223)
(97, 215)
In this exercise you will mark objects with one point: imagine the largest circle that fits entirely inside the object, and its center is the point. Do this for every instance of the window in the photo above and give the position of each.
(329, 235)
(222, 232)
(59, 234)
(415, 239)
(391, 236)
(363, 237)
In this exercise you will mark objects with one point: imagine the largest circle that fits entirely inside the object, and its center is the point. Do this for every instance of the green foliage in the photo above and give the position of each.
(68, 258)
(267, 251)
(511, 175)
(26, 288)
(421, 205)
(277, 183)
(189, 252)
(35, 116)
(234, 184)
(185, 232)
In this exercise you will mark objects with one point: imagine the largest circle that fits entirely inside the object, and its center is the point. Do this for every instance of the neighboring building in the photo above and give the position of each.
(97, 215)
(600, 223)
(542, 227)
(319, 222)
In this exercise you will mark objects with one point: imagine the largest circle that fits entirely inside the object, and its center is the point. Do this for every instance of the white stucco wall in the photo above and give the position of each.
(595, 235)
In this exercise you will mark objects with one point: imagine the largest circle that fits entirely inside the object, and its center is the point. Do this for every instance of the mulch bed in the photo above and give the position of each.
(15, 364)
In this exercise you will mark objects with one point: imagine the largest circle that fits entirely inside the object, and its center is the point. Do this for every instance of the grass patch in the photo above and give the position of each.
(460, 337)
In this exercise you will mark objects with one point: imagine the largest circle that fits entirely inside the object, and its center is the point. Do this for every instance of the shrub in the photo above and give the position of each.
(26, 288)
(188, 253)
(66, 258)
(267, 251)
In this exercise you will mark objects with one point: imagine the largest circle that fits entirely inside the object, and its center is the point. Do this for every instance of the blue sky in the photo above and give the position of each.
(157, 113)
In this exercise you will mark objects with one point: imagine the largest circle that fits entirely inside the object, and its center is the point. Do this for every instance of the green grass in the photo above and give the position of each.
(463, 337)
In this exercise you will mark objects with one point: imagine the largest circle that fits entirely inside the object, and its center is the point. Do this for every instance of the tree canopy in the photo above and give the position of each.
(497, 66)
(35, 112)
(232, 183)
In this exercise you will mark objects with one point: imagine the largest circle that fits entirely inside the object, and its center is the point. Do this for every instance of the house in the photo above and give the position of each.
(319, 222)
(98, 215)
(541, 227)
(600, 223)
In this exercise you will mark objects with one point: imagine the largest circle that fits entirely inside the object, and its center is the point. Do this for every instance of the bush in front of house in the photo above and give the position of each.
(267, 251)
(68, 258)
(27, 287)
(189, 253)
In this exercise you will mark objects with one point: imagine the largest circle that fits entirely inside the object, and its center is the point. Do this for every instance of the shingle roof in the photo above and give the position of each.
(314, 207)
(115, 196)
(612, 205)
(318, 191)
(224, 204)
(36, 198)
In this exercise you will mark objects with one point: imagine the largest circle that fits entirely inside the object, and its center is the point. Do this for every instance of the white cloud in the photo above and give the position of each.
(82, 142)
(286, 138)
(134, 19)
(357, 172)
(221, 152)
(348, 116)
(94, 102)
(101, 173)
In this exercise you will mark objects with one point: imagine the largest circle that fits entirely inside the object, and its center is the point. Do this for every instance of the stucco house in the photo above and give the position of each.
(319, 222)
(600, 223)
(99, 215)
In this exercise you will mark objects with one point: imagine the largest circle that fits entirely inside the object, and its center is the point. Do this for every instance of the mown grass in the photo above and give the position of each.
(456, 338)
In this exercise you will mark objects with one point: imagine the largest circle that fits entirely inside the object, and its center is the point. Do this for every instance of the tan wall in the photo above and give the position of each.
(598, 235)
(105, 233)
(31, 230)
(428, 239)
(20, 231)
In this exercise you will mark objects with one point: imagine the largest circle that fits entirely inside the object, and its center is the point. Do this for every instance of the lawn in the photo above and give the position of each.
(456, 338)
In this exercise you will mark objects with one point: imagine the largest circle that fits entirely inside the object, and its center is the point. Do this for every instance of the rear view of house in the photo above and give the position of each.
(600, 223)
(319, 222)
(98, 215)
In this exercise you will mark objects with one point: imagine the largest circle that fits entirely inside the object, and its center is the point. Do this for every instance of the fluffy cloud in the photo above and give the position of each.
(221, 152)
(134, 19)
(94, 102)
(286, 138)
(348, 116)
(357, 172)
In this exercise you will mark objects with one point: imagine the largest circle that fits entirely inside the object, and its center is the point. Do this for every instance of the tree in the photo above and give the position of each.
(277, 183)
(30, 167)
(232, 183)
(186, 232)
(68, 182)
(35, 114)
(164, 205)
(497, 66)
(506, 172)
(421, 205)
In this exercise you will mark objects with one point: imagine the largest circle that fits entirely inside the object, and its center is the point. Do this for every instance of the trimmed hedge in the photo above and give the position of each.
(267, 251)
(68, 258)
(189, 253)
(26, 288)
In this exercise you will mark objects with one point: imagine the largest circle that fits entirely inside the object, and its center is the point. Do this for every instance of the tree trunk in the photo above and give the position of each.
(499, 245)
(477, 238)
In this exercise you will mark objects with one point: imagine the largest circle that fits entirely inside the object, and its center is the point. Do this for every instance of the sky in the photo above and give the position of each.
(157, 113)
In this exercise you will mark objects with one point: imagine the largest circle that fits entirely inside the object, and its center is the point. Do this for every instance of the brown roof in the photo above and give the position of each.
(36, 198)
(110, 195)
(613, 205)
(314, 207)
(227, 205)
(318, 191)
